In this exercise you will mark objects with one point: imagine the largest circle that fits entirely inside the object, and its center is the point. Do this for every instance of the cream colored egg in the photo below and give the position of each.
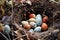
(32, 20)
(24, 22)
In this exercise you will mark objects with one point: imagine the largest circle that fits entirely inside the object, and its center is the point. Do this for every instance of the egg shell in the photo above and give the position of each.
(24, 22)
(37, 29)
(27, 26)
(32, 20)
(7, 28)
(44, 26)
(45, 19)
(32, 16)
(38, 19)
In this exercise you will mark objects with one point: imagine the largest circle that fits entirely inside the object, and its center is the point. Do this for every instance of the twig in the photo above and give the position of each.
(4, 36)
(19, 37)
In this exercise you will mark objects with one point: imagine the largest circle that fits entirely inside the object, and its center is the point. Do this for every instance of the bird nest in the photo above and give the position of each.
(20, 12)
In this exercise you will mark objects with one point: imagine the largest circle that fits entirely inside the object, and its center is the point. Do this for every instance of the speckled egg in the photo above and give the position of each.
(44, 26)
(32, 20)
(45, 19)
(38, 19)
(32, 16)
(33, 24)
(7, 28)
(37, 29)
(24, 22)
(27, 26)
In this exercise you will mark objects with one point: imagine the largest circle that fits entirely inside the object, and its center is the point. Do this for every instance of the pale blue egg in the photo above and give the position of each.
(38, 19)
(7, 29)
(31, 31)
(37, 29)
